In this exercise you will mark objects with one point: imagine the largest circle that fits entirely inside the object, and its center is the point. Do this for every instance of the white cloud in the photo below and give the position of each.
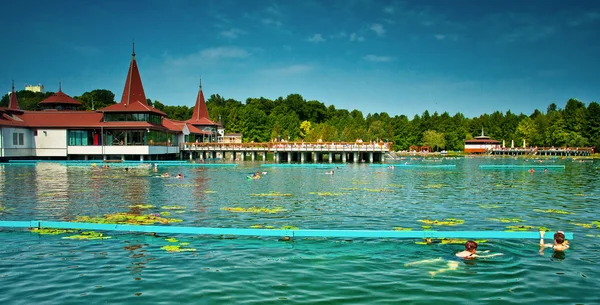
(356, 37)
(269, 21)
(388, 9)
(376, 58)
(581, 19)
(207, 55)
(378, 29)
(439, 36)
(289, 70)
(232, 33)
(316, 38)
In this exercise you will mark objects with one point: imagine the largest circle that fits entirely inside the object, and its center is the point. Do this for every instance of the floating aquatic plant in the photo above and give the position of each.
(289, 228)
(171, 240)
(259, 226)
(141, 206)
(177, 248)
(434, 186)
(454, 241)
(446, 222)
(326, 193)
(489, 206)
(378, 190)
(505, 219)
(209, 192)
(395, 185)
(552, 211)
(349, 189)
(271, 194)
(520, 228)
(89, 235)
(254, 210)
(127, 218)
(402, 229)
(48, 231)
(584, 225)
(173, 207)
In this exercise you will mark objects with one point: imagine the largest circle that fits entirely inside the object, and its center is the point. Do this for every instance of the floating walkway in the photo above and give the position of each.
(508, 166)
(446, 166)
(310, 165)
(133, 164)
(280, 233)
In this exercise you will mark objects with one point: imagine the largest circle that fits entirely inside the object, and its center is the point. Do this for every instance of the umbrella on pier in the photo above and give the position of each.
(524, 146)
(503, 144)
(512, 144)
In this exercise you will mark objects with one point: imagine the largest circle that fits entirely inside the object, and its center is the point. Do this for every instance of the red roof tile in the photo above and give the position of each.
(175, 125)
(60, 98)
(133, 91)
(7, 119)
(13, 103)
(132, 107)
(200, 114)
(63, 119)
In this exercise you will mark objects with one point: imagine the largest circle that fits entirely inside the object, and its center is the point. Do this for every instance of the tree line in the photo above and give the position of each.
(293, 118)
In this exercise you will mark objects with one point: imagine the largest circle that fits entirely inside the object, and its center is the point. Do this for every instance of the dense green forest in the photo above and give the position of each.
(293, 118)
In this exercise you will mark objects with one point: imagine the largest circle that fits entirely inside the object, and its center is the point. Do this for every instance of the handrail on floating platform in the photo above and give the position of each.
(280, 233)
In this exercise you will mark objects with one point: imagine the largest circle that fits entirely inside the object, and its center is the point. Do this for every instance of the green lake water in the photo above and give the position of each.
(132, 268)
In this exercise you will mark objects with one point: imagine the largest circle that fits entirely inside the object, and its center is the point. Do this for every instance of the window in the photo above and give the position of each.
(21, 138)
(80, 137)
(15, 138)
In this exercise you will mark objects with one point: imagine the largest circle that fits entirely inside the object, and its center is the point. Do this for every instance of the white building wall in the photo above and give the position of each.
(10, 149)
(51, 143)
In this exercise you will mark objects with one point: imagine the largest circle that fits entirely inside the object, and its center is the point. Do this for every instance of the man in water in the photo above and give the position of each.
(560, 244)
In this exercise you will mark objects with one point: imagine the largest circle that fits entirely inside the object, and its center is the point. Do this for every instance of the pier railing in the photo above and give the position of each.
(290, 146)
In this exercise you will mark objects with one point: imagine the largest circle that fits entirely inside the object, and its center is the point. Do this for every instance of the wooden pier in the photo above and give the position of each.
(290, 152)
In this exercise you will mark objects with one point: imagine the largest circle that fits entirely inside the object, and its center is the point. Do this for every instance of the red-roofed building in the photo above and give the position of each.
(200, 120)
(131, 129)
(480, 144)
(60, 101)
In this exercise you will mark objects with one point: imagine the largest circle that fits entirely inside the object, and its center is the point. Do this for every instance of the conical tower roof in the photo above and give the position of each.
(13, 103)
(200, 114)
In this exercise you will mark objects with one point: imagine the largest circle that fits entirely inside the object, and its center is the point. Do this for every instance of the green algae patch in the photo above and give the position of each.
(88, 235)
(173, 207)
(127, 218)
(177, 248)
(48, 231)
(271, 194)
(255, 210)
(443, 222)
(583, 225)
(325, 194)
(553, 211)
(519, 228)
(172, 240)
(141, 206)
(381, 190)
(506, 220)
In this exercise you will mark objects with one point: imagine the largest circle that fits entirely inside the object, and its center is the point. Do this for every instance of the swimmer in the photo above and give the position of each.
(471, 251)
(127, 169)
(531, 170)
(545, 170)
(165, 175)
(329, 172)
(560, 244)
(156, 167)
(179, 176)
(264, 173)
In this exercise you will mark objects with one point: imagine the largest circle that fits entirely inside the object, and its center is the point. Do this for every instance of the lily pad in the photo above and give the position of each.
(128, 218)
(173, 207)
(443, 222)
(177, 248)
(505, 219)
(142, 206)
(89, 235)
(48, 231)
(554, 211)
(271, 194)
(402, 229)
(171, 240)
(254, 210)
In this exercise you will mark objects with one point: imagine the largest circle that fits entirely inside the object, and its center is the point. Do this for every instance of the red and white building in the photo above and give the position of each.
(128, 130)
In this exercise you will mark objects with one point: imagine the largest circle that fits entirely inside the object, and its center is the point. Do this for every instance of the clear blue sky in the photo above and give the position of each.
(399, 57)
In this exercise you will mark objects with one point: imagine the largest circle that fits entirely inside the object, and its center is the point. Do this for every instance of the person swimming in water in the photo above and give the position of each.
(179, 176)
(165, 175)
(560, 243)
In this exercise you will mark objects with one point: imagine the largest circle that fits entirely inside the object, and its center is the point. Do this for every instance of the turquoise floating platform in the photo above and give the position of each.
(448, 166)
(312, 165)
(121, 164)
(281, 233)
(509, 166)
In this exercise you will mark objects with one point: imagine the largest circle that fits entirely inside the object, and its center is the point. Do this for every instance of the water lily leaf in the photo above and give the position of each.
(402, 229)
(171, 240)
(173, 207)
(254, 210)
(446, 222)
(141, 206)
(552, 211)
(48, 231)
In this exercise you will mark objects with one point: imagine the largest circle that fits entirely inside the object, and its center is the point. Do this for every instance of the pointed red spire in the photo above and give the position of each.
(13, 103)
(134, 91)
(200, 110)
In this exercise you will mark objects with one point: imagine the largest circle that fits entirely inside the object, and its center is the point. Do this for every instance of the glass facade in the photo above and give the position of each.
(80, 137)
(121, 137)
(133, 117)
